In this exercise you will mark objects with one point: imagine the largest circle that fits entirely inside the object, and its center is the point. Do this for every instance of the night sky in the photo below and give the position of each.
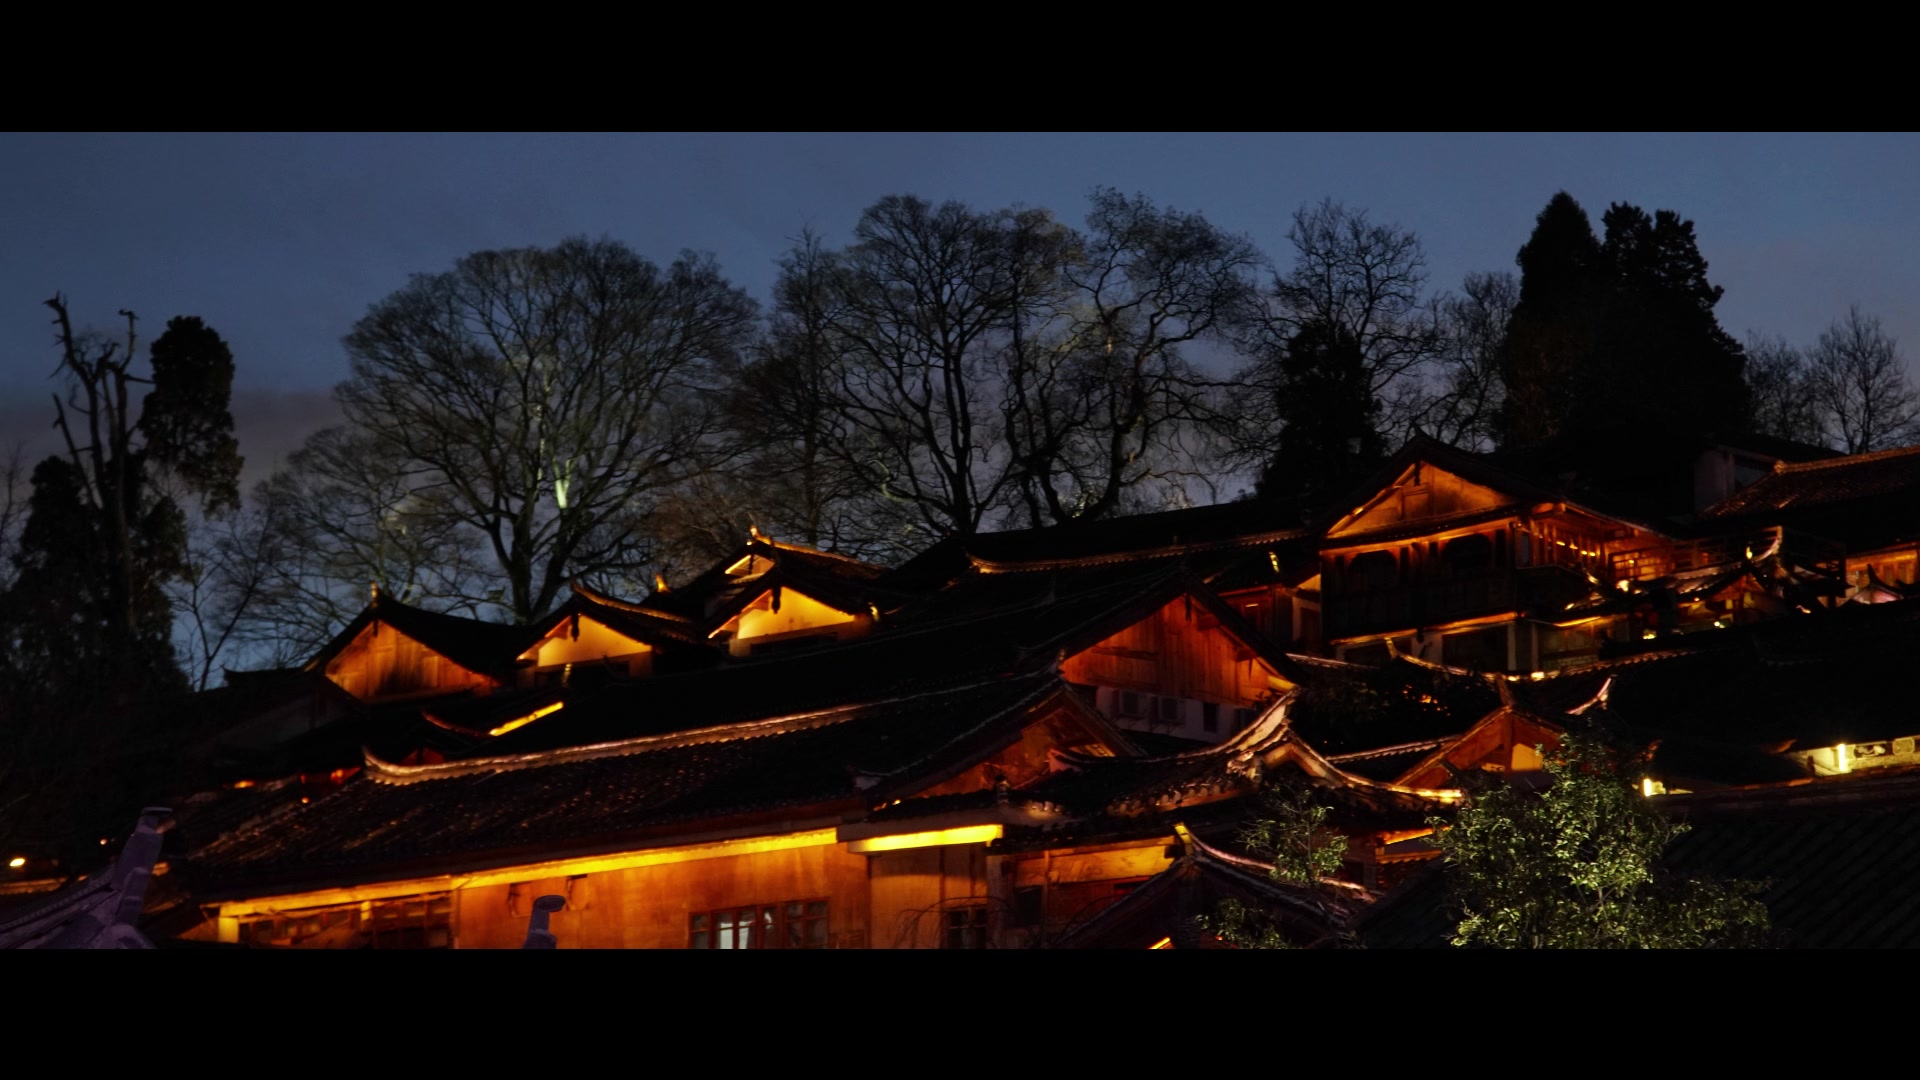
(280, 242)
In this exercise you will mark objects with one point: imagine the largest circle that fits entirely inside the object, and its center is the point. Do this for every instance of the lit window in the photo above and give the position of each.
(795, 924)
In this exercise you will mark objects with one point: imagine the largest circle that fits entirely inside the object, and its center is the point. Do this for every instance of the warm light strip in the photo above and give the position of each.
(965, 834)
(527, 719)
(1163, 943)
(1476, 622)
(599, 864)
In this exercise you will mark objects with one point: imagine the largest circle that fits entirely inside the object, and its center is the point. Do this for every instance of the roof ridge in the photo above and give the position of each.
(387, 772)
(1846, 459)
(598, 597)
(805, 549)
(1016, 566)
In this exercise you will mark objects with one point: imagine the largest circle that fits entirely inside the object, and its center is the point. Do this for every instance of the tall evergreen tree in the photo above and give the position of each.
(1554, 331)
(1615, 337)
(1329, 439)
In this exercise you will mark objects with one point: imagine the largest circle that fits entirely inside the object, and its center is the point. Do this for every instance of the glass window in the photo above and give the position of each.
(793, 924)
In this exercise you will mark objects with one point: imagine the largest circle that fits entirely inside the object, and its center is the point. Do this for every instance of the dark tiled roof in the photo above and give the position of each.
(660, 629)
(1005, 634)
(1820, 483)
(1863, 500)
(1388, 763)
(1352, 709)
(472, 643)
(1169, 905)
(536, 805)
(1820, 678)
(837, 580)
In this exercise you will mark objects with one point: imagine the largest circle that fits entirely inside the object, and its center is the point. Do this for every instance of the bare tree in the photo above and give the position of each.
(1113, 405)
(542, 401)
(793, 471)
(1780, 382)
(1866, 400)
(1351, 278)
(924, 300)
(1460, 404)
(346, 512)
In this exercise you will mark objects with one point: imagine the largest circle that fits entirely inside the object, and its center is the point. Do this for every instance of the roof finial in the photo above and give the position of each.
(375, 590)
(659, 583)
(753, 532)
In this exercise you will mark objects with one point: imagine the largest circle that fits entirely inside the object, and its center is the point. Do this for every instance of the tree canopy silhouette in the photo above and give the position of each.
(1616, 335)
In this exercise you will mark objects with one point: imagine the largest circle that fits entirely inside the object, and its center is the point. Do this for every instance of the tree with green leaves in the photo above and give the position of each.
(1291, 834)
(1578, 866)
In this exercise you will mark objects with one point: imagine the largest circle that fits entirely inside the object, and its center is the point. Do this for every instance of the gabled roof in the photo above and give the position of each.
(482, 647)
(1524, 478)
(401, 820)
(652, 626)
(1166, 908)
(1000, 633)
(839, 581)
(1863, 500)
(1102, 795)
(1209, 538)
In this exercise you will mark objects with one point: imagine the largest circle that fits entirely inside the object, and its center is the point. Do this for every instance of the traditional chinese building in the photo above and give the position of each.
(1051, 737)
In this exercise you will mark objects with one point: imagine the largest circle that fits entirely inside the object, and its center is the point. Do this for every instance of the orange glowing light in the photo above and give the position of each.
(17, 861)
(965, 834)
(527, 719)
(1163, 943)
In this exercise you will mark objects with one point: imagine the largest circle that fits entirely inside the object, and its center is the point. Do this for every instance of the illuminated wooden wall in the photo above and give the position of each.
(597, 642)
(382, 662)
(1179, 651)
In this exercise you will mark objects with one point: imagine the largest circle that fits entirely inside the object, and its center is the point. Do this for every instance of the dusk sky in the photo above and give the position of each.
(281, 241)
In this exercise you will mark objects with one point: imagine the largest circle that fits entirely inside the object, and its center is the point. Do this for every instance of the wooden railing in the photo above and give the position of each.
(1433, 603)
(1649, 563)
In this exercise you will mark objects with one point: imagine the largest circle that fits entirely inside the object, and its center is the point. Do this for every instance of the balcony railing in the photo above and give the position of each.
(1650, 563)
(1359, 610)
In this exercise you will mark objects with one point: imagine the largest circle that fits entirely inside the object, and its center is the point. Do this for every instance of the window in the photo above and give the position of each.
(1254, 617)
(1242, 719)
(1029, 906)
(1129, 703)
(1170, 711)
(1209, 716)
(795, 924)
(966, 927)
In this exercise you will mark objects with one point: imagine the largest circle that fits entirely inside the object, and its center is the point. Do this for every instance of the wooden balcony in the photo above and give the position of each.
(1652, 563)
